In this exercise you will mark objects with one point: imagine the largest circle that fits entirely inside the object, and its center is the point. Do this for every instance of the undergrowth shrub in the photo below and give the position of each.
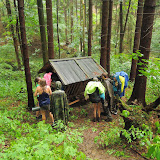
(107, 137)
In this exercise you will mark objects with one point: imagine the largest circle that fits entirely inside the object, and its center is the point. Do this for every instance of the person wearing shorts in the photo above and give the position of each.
(44, 92)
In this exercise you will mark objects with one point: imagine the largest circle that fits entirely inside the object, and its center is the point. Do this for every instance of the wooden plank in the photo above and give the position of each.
(74, 102)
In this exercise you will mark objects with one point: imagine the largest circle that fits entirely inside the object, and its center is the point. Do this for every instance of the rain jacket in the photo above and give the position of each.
(91, 88)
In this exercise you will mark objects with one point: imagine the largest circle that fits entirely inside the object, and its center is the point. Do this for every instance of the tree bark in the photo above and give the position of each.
(137, 38)
(15, 42)
(90, 29)
(105, 8)
(42, 31)
(50, 29)
(153, 105)
(145, 42)
(109, 35)
(66, 26)
(18, 31)
(122, 30)
(83, 42)
(81, 25)
(25, 53)
(58, 32)
(71, 21)
(121, 27)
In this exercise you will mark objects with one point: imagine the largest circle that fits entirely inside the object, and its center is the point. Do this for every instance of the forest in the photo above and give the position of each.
(120, 35)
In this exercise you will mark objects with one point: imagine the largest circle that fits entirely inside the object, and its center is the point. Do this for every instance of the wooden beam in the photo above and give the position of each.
(74, 102)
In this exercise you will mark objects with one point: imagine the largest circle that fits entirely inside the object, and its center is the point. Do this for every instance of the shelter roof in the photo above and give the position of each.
(73, 70)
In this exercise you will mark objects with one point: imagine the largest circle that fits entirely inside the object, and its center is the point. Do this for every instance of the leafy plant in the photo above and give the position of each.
(154, 149)
(125, 113)
(157, 124)
(108, 137)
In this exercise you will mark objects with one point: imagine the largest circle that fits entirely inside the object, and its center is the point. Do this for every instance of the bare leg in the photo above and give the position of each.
(95, 109)
(99, 109)
(43, 114)
(38, 113)
(51, 116)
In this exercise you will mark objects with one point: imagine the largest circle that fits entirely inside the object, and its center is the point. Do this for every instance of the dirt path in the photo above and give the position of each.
(92, 129)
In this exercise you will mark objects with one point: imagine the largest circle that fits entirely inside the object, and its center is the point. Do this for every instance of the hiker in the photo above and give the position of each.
(109, 95)
(120, 82)
(59, 104)
(44, 101)
(47, 77)
(37, 83)
(96, 92)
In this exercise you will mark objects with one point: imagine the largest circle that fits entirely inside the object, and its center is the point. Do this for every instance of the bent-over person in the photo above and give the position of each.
(96, 92)
(109, 95)
(59, 104)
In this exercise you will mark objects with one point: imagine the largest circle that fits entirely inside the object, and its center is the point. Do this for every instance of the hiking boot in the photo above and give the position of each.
(98, 119)
(114, 112)
(103, 113)
(39, 118)
(94, 119)
(54, 125)
(108, 120)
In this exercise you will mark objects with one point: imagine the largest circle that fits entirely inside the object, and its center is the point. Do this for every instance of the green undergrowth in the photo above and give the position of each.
(22, 139)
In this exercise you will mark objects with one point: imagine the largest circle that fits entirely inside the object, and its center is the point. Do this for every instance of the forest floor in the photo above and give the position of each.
(82, 120)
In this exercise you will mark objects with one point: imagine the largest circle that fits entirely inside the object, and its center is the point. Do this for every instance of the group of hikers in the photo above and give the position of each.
(53, 104)
(106, 91)
(102, 90)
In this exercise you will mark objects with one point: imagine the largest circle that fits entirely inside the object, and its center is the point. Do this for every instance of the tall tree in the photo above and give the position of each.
(137, 38)
(15, 42)
(18, 29)
(81, 25)
(83, 42)
(50, 28)
(145, 42)
(42, 31)
(71, 20)
(105, 7)
(58, 32)
(109, 35)
(90, 29)
(122, 30)
(25, 53)
(66, 25)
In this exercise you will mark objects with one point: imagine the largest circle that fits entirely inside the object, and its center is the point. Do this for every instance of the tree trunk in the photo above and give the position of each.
(50, 29)
(15, 42)
(109, 35)
(42, 31)
(122, 30)
(80, 25)
(76, 10)
(105, 7)
(137, 38)
(90, 29)
(85, 8)
(25, 54)
(145, 42)
(18, 31)
(65, 15)
(153, 105)
(83, 43)
(71, 21)
(58, 32)
(121, 27)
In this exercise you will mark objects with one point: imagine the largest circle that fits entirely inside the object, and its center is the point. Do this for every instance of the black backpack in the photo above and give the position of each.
(94, 97)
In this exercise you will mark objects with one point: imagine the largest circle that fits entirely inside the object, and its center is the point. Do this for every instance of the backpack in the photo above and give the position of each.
(94, 97)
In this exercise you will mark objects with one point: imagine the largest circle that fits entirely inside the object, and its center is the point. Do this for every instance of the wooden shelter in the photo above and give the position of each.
(74, 73)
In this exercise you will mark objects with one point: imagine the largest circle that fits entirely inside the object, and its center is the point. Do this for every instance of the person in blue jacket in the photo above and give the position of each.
(120, 83)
